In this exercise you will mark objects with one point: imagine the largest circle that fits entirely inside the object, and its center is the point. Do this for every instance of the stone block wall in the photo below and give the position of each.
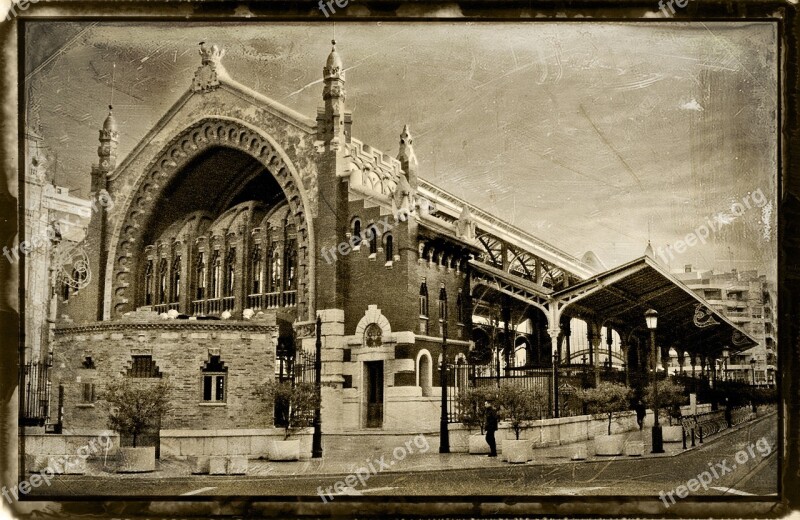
(250, 443)
(180, 348)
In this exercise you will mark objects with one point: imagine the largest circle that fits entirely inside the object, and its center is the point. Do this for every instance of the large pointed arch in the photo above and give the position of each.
(197, 138)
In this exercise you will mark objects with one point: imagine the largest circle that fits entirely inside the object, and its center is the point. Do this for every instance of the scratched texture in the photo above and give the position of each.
(596, 135)
(592, 136)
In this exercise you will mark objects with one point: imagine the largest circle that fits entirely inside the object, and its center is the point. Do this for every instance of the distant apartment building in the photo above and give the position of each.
(750, 301)
(52, 216)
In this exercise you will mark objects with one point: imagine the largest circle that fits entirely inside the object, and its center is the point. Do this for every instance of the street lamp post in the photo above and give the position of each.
(316, 440)
(725, 354)
(753, 371)
(444, 432)
(651, 318)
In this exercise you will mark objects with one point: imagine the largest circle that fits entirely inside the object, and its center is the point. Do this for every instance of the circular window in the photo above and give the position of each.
(373, 335)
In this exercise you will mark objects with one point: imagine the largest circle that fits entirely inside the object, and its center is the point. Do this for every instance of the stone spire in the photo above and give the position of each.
(407, 157)
(648, 251)
(107, 151)
(333, 121)
(465, 225)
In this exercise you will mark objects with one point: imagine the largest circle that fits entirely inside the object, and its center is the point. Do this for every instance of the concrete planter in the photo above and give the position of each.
(136, 460)
(459, 440)
(672, 433)
(609, 445)
(634, 448)
(517, 452)
(478, 445)
(580, 452)
(285, 450)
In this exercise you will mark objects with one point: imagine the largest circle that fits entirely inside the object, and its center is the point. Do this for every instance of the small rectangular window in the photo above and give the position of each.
(88, 392)
(214, 388)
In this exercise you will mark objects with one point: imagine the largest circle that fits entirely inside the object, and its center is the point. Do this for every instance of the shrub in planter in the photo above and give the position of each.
(295, 406)
(472, 414)
(519, 406)
(671, 397)
(136, 407)
(607, 400)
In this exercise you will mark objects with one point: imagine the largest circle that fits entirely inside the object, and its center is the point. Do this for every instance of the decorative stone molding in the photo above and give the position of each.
(187, 145)
(206, 77)
(173, 325)
(373, 315)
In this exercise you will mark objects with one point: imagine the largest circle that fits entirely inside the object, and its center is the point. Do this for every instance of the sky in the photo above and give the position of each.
(591, 136)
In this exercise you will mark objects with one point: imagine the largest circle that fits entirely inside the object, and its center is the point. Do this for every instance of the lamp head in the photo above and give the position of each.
(651, 318)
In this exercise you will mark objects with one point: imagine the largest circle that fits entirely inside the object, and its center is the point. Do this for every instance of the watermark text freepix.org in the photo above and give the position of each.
(56, 465)
(373, 467)
(22, 5)
(52, 232)
(716, 470)
(371, 231)
(713, 224)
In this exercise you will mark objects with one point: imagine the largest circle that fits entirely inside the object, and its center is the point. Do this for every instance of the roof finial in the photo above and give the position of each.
(333, 67)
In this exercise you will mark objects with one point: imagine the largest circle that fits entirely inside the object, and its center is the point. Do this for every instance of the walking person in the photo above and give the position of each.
(491, 427)
(641, 413)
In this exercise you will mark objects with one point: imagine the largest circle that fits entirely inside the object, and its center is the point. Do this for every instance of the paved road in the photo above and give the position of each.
(752, 473)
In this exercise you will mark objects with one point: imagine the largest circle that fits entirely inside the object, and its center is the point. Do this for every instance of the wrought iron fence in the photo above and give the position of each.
(710, 423)
(36, 399)
(303, 367)
(462, 376)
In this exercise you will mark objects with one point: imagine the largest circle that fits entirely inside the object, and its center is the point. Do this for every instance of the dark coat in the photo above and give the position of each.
(491, 420)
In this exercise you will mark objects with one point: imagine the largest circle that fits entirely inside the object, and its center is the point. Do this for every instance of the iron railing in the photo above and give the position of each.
(36, 399)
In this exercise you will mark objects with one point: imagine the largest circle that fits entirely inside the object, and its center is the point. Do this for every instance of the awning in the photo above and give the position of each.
(620, 296)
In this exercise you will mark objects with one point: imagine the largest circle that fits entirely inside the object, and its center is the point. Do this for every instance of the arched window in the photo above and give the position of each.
(389, 248)
(65, 291)
(201, 275)
(275, 269)
(291, 265)
(216, 276)
(372, 236)
(162, 281)
(230, 277)
(257, 266)
(148, 283)
(423, 298)
(357, 231)
(176, 279)
(460, 307)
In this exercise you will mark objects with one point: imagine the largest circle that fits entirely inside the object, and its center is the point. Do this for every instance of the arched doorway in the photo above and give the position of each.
(425, 372)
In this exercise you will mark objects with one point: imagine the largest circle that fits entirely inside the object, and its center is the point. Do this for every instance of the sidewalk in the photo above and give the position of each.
(343, 455)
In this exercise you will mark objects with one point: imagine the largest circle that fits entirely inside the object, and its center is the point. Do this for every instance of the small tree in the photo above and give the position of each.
(520, 405)
(136, 406)
(295, 405)
(607, 400)
(671, 397)
(471, 406)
